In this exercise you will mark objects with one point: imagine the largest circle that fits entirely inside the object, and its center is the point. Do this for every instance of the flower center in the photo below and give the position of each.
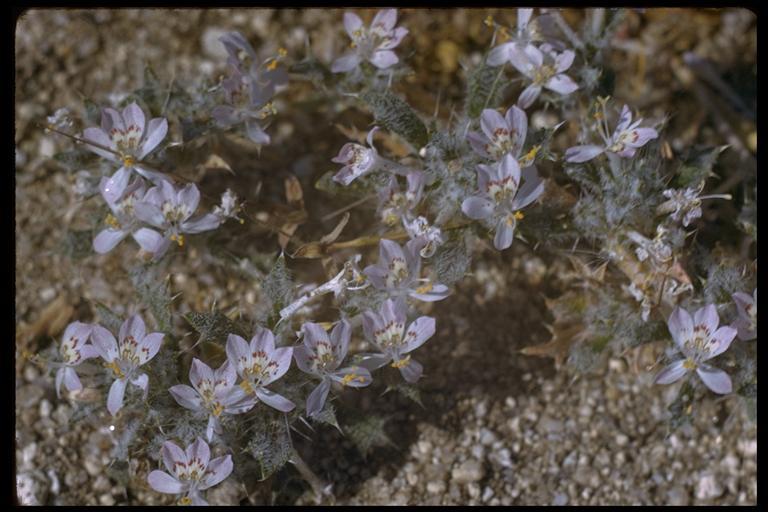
(543, 74)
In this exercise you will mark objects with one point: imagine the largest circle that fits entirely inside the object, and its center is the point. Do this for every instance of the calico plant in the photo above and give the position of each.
(491, 168)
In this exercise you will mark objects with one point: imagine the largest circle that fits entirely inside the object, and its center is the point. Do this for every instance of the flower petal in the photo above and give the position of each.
(500, 54)
(505, 232)
(263, 340)
(562, 84)
(151, 241)
(418, 332)
(412, 371)
(680, 326)
(71, 380)
(199, 450)
(436, 292)
(100, 137)
(134, 119)
(564, 60)
(202, 223)
(281, 356)
(490, 121)
(671, 373)
(383, 59)
(529, 95)
(722, 339)
(353, 376)
(340, 336)
(579, 154)
(172, 455)
(156, 131)
(477, 207)
(141, 382)
(256, 133)
(104, 343)
(186, 396)
(115, 397)
(715, 379)
(707, 317)
(217, 471)
(115, 186)
(345, 63)
(303, 355)
(274, 400)
(518, 123)
(199, 372)
(133, 326)
(317, 397)
(385, 20)
(107, 239)
(239, 353)
(352, 23)
(161, 481)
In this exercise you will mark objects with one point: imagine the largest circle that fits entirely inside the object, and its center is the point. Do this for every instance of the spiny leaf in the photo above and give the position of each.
(484, 85)
(270, 444)
(368, 433)
(397, 116)
(153, 292)
(75, 160)
(107, 317)
(214, 326)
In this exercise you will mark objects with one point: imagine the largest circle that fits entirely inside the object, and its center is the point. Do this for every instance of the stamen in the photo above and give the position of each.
(402, 363)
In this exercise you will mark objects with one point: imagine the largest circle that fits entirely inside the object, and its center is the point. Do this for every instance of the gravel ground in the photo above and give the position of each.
(497, 428)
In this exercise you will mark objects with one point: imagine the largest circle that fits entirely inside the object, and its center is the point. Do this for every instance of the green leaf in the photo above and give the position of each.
(697, 166)
(270, 444)
(367, 433)
(397, 116)
(214, 326)
(484, 85)
(278, 285)
(408, 391)
(107, 317)
(153, 293)
(92, 112)
(77, 244)
(327, 416)
(75, 159)
(452, 260)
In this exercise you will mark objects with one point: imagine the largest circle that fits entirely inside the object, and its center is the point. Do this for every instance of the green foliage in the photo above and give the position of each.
(367, 432)
(397, 116)
(107, 317)
(270, 443)
(409, 391)
(76, 244)
(680, 410)
(697, 166)
(452, 259)
(484, 87)
(722, 282)
(214, 326)
(154, 293)
(75, 159)
(278, 285)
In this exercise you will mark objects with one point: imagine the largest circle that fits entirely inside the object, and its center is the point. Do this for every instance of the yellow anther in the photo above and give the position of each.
(598, 115)
(241, 221)
(282, 52)
(519, 215)
(402, 362)
(218, 410)
(425, 288)
(349, 378)
(115, 368)
(186, 500)
(272, 65)
(689, 364)
(128, 161)
(246, 386)
(531, 155)
(488, 21)
(112, 221)
(179, 239)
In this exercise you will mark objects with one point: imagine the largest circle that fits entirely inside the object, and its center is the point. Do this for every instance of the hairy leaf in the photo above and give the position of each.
(397, 116)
